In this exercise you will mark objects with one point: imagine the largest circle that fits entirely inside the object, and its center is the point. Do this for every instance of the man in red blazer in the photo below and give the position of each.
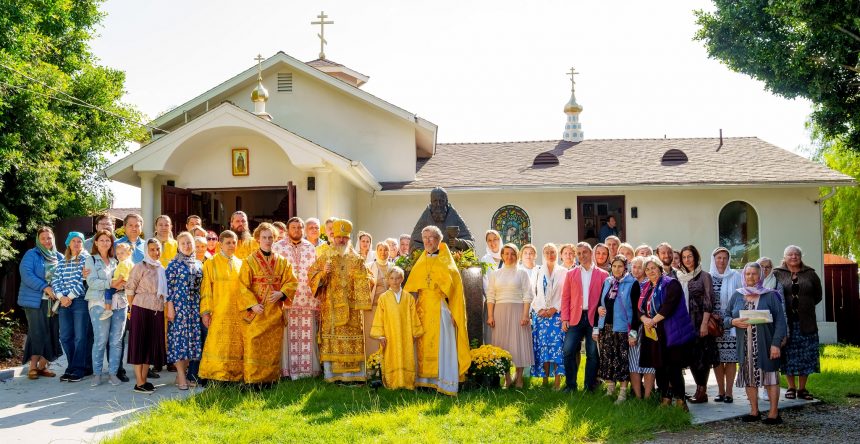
(579, 299)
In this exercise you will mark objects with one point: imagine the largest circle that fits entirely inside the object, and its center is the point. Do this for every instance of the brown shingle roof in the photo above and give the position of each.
(617, 163)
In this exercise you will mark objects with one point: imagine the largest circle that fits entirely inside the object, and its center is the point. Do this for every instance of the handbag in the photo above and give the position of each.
(715, 326)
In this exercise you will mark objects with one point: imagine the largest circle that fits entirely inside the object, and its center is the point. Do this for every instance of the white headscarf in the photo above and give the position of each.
(162, 276)
(684, 278)
(731, 280)
(770, 280)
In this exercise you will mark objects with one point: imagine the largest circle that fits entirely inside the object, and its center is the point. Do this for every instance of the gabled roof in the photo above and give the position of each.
(303, 153)
(616, 163)
(198, 103)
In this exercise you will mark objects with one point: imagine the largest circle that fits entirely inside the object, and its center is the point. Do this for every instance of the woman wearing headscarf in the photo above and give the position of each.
(639, 376)
(76, 332)
(601, 256)
(758, 343)
(184, 275)
(700, 300)
(146, 290)
(802, 293)
(36, 297)
(614, 326)
(668, 331)
(379, 267)
(725, 281)
(547, 337)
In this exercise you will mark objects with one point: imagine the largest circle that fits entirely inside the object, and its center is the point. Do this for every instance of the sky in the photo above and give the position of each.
(483, 71)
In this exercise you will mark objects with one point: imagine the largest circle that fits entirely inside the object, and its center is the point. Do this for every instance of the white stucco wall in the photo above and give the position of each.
(680, 217)
(351, 127)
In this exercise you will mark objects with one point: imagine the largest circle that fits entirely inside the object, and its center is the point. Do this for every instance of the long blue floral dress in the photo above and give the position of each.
(184, 275)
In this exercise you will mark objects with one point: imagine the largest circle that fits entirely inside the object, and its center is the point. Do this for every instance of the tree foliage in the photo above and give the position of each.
(841, 213)
(798, 48)
(52, 149)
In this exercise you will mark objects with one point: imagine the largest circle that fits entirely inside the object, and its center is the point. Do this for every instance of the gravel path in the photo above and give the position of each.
(814, 423)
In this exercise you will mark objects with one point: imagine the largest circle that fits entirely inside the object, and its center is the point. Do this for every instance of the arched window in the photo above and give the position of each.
(739, 232)
(513, 223)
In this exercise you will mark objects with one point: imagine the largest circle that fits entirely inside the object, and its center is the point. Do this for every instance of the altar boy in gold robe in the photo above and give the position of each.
(396, 325)
(267, 282)
(222, 352)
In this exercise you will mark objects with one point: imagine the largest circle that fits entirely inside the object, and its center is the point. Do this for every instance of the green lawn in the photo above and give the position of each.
(312, 411)
(839, 381)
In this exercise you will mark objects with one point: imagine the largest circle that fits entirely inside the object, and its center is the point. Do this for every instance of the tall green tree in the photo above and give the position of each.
(798, 48)
(61, 116)
(841, 212)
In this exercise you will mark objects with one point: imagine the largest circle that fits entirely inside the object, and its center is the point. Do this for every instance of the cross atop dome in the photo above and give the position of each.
(573, 128)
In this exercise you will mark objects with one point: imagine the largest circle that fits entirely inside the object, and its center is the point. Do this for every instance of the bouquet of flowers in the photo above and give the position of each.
(489, 360)
(374, 364)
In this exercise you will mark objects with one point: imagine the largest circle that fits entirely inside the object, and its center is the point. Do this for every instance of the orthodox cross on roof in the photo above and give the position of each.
(322, 22)
(259, 60)
(571, 74)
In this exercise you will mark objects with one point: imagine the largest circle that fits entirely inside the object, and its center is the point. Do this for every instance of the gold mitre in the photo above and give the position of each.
(341, 227)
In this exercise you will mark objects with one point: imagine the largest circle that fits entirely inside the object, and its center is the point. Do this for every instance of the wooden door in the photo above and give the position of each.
(176, 203)
(842, 302)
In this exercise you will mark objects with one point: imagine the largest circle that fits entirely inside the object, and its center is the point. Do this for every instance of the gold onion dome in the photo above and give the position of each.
(260, 94)
(572, 106)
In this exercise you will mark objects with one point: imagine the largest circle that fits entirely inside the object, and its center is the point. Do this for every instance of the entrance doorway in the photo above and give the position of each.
(594, 211)
(215, 205)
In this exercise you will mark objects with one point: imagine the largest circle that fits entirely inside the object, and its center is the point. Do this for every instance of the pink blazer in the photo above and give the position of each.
(571, 294)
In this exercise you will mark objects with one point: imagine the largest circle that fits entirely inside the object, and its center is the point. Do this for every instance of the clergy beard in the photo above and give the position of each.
(340, 250)
(243, 234)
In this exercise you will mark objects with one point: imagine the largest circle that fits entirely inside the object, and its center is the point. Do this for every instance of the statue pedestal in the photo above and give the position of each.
(473, 290)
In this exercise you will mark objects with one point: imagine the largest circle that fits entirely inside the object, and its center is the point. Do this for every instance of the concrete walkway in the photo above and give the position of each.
(713, 411)
(48, 411)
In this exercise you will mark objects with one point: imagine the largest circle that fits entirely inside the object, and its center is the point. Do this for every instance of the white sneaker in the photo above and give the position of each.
(114, 380)
(97, 381)
(106, 315)
(763, 394)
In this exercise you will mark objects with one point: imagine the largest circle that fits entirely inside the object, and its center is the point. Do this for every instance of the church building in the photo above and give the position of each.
(290, 138)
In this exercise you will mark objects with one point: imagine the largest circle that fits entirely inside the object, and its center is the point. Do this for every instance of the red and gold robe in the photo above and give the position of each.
(262, 336)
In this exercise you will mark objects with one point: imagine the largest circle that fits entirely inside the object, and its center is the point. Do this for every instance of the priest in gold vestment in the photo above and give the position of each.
(396, 325)
(245, 244)
(339, 278)
(219, 309)
(443, 350)
(267, 281)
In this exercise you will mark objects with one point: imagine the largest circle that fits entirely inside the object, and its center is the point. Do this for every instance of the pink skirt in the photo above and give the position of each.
(511, 336)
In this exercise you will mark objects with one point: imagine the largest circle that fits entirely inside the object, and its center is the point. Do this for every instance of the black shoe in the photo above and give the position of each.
(720, 398)
(122, 377)
(148, 386)
(751, 418)
(74, 378)
(729, 400)
(773, 421)
(65, 377)
(152, 374)
(143, 389)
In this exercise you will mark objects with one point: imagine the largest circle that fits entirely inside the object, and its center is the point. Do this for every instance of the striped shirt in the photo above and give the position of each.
(68, 277)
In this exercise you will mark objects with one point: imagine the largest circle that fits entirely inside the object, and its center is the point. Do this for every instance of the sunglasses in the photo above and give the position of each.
(211, 238)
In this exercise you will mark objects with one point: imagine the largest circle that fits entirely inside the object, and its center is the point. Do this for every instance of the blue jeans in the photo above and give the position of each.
(107, 334)
(76, 337)
(571, 348)
(194, 366)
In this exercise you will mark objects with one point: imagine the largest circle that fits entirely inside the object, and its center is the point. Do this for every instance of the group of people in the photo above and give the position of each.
(647, 315)
(282, 302)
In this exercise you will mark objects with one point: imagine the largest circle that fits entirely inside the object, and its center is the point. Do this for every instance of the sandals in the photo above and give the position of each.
(791, 394)
(33, 374)
(805, 395)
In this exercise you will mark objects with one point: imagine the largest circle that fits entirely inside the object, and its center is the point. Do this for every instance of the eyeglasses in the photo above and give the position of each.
(211, 238)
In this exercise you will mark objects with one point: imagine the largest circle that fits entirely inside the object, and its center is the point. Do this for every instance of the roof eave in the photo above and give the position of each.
(616, 187)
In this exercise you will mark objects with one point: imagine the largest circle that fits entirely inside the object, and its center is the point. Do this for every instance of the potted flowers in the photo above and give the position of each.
(489, 364)
(374, 368)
